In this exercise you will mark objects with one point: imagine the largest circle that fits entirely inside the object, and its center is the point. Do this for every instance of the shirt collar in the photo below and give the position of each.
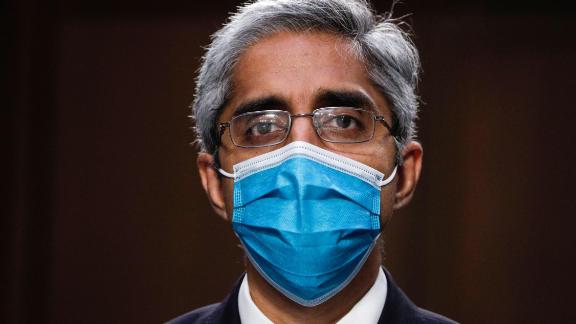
(366, 310)
(249, 312)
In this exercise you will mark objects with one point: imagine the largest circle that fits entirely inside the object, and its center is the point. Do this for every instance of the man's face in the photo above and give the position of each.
(300, 72)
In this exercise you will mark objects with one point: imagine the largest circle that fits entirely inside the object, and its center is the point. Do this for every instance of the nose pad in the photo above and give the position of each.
(303, 130)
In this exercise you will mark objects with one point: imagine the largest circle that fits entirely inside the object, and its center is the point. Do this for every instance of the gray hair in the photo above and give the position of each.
(389, 55)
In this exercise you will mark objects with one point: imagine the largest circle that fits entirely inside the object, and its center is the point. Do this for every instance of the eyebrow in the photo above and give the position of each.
(345, 98)
(325, 98)
(266, 103)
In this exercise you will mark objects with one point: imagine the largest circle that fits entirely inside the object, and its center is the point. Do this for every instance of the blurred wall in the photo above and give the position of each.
(106, 221)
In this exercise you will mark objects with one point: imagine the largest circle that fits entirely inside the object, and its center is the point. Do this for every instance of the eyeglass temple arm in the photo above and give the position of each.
(384, 122)
(222, 127)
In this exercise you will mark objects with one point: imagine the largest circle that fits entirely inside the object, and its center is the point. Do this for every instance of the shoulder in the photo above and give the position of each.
(204, 314)
(224, 312)
(400, 309)
(425, 316)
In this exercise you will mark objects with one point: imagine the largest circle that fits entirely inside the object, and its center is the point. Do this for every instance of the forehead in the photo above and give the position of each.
(297, 68)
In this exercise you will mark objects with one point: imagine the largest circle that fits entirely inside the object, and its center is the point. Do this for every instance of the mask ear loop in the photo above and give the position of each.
(216, 165)
(389, 179)
(226, 174)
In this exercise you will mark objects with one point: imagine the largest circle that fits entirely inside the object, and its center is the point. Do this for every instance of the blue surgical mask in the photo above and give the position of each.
(307, 218)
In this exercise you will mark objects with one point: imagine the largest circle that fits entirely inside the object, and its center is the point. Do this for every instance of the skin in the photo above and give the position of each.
(297, 67)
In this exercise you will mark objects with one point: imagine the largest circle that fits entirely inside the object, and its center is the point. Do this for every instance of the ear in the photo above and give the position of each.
(212, 183)
(408, 173)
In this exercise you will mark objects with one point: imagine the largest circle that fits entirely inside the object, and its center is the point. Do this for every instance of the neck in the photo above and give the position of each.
(279, 309)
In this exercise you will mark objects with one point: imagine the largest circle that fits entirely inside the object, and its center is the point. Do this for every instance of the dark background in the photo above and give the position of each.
(106, 221)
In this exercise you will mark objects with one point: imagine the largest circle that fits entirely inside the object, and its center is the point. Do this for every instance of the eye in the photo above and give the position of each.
(342, 121)
(264, 125)
(262, 128)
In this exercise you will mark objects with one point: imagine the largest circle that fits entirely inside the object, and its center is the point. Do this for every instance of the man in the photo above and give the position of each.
(305, 114)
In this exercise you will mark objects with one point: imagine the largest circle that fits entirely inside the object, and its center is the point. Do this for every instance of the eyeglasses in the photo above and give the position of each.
(332, 124)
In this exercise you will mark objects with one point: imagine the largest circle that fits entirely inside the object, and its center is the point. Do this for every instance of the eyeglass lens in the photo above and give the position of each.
(338, 125)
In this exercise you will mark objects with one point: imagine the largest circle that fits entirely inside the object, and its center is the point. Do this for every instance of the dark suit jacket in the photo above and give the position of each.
(397, 309)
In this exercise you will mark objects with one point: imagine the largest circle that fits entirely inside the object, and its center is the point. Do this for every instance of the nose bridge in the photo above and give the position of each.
(302, 129)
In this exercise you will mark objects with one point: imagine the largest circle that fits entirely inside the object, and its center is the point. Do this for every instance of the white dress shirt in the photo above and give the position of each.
(366, 311)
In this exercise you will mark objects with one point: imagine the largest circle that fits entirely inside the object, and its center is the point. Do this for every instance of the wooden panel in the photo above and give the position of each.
(116, 228)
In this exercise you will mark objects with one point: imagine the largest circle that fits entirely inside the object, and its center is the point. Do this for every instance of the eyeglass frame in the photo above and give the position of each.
(223, 125)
